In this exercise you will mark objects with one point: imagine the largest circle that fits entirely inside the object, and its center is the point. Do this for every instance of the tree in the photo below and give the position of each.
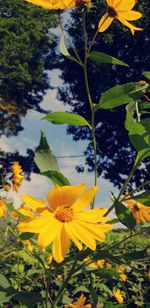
(115, 153)
(27, 51)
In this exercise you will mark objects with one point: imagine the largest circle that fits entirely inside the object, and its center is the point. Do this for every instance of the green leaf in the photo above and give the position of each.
(57, 178)
(108, 273)
(47, 163)
(28, 298)
(147, 74)
(100, 57)
(124, 215)
(143, 198)
(139, 134)
(122, 94)
(64, 50)
(44, 158)
(104, 288)
(4, 282)
(140, 254)
(66, 118)
(26, 236)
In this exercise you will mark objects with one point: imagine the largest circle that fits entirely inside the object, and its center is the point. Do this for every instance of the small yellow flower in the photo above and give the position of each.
(29, 245)
(108, 265)
(17, 176)
(123, 277)
(64, 219)
(80, 303)
(97, 264)
(49, 259)
(148, 274)
(3, 207)
(121, 269)
(7, 187)
(121, 10)
(118, 296)
(140, 211)
(58, 4)
(100, 263)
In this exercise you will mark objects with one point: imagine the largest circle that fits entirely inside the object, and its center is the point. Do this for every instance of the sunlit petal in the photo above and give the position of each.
(94, 215)
(60, 245)
(70, 231)
(131, 15)
(49, 233)
(85, 200)
(105, 22)
(35, 225)
(33, 203)
(83, 235)
(64, 195)
(124, 5)
(129, 25)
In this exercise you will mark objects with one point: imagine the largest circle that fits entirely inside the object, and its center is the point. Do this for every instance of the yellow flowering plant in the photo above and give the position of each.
(70, 234)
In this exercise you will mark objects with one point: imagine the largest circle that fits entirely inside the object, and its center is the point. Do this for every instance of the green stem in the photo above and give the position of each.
(69, 41)
(71, 272)
(89, 99)
(131, 192)
(137, 112)
(123, 188)
(92, 41)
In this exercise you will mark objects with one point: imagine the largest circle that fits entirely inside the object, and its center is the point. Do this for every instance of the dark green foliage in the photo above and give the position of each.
(27, 50)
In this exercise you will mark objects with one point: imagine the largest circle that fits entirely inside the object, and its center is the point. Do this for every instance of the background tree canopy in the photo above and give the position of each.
(115, 153)
(28, 50)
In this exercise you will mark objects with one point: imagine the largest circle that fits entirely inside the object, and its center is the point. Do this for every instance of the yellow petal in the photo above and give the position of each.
(105, 22)
(83, 235)
(70, 231)
(123, 5)
(49, 233)
(65, 195)
(93, 216)
(35, 225)
(129, 25)
(60, 245)
(33, 203)
(85, 200)
(130, 15)
(97, 231)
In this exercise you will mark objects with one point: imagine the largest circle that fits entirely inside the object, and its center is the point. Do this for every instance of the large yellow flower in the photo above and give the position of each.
(80, 303)
(140, 211)
(121, 10)
(118, 296)
(58, 4)
(3, 207)
(17, 176)
(64, 220)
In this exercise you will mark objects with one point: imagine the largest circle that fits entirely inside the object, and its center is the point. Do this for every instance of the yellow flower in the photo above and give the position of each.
(118, 296)
(123, 277)
(58, 4)
(121, 10)
(80, 303)
(3, 207)
(29, 245)
(17, 176)
(97, 264)
(121, 269)
(49, 259)
(140, 211)
(148, 274)
(108, 265)
(7, 187)
(64, 220)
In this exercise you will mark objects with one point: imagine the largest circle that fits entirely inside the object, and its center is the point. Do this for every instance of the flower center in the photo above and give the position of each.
(136, 208)
(64, 213)
(111, 12)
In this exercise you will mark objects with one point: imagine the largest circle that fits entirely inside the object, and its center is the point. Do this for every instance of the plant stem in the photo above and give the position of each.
(69, 41)
(137, 112)
(137, 188)
(71, 272)
(89, 99)
(122, 189)
(93, 40)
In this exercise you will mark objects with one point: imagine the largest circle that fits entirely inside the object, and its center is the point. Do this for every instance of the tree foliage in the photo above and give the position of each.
(27, 51)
